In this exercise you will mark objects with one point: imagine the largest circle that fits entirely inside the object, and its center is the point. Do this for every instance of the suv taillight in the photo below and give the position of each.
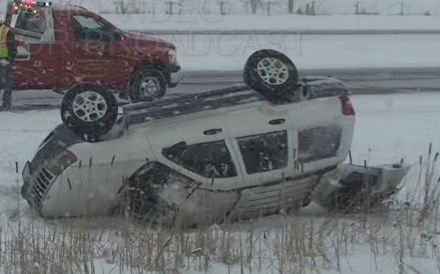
(347, 107)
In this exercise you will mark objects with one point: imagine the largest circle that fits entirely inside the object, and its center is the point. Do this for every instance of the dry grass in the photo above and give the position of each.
(295, 244)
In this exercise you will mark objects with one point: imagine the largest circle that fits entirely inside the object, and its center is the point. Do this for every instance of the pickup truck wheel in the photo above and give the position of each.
(147, 85)
(89, 110)
(272, 74)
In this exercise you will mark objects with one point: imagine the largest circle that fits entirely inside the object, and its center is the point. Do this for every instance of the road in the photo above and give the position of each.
(360, 81)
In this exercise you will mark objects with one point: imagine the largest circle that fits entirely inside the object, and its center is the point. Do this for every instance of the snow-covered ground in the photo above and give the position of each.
(336, 16)
(224, 51)
(230, 52)
(193, 22)
(388, 128)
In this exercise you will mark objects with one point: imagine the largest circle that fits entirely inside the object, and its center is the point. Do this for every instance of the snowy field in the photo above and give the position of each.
(223, 51)
(388, 128)
(277, 7)
(230, 52)
(332, 15)
(227, 52)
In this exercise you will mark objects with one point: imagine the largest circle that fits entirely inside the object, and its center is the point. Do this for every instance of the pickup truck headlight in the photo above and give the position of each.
(172, 56)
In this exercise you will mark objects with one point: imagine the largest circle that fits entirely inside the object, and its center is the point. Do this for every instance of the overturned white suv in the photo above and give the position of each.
(273, 144)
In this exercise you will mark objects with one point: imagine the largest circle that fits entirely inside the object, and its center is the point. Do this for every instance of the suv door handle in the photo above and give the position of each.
(277, 121)
(213, 131)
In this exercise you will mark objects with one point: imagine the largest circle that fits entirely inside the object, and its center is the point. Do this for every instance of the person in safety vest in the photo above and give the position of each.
(8, 50)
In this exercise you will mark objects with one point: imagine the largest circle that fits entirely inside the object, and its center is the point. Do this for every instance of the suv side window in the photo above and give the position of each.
(90, 29)
(318, 143)
(265, 152)
(210, 160)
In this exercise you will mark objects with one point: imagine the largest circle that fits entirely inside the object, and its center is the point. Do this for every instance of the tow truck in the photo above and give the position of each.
(60, 46)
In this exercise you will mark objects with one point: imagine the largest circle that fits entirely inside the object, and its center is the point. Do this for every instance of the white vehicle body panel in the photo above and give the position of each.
(91, 186)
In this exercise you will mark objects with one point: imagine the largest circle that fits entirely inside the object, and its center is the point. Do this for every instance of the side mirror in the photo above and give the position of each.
(23, 54)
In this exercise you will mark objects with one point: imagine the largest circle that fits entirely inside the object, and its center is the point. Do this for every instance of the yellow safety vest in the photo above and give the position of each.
(4, 50)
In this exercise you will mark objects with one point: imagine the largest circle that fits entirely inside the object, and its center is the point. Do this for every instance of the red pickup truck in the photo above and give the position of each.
(61, 46)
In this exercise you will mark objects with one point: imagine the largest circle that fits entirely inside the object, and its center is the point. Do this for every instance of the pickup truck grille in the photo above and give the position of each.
(41, 185)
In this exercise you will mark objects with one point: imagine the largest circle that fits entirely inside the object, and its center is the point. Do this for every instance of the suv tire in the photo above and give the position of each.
(89, 109)
(272, 74)
(147, 85)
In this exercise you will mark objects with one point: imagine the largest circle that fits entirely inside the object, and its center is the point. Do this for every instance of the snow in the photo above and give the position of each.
(388, 128)
(337, 16)
(196, 19)
(230, 52)
(384, 7)
(224, 51)
(275, 23)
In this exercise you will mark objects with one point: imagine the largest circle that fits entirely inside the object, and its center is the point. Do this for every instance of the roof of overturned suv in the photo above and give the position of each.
(308, 88)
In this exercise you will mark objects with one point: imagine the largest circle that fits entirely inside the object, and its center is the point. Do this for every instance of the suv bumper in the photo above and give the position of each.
(174, 76)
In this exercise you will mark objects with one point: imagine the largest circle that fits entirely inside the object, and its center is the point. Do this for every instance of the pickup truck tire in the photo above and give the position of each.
(272, 74)
(89, 110)
(148, 84)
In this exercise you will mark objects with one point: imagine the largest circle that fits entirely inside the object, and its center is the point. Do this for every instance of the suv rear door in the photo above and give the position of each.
(324, 133)
(263, 140)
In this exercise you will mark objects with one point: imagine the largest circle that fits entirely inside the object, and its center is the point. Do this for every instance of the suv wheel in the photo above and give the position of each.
(89, 110)
(272, 74)
(147, 85)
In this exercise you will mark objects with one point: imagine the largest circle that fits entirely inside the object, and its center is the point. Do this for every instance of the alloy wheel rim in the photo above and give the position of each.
(149, 87)
(273, 71)
(89, 106)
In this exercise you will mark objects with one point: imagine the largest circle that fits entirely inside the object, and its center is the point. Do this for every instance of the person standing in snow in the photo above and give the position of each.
(8, 50)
